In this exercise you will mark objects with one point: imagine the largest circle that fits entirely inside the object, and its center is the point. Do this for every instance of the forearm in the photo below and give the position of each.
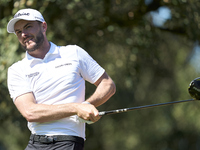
(34, 112)
(47, 113)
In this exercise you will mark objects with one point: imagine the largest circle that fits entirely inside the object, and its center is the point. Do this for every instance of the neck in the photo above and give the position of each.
(41, 51)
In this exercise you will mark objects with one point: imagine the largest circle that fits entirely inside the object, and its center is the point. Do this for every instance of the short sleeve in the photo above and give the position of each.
(91, 71)
(17, 83)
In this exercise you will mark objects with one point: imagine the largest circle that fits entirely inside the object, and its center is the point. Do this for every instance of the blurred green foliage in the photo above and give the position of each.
(149, 64)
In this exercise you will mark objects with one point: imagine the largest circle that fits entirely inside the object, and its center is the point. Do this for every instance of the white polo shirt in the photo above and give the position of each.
(59, 78)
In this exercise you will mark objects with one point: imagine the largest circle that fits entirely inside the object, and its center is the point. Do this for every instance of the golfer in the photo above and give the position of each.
(48, 86)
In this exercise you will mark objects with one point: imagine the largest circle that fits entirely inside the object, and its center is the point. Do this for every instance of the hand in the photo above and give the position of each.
(88, 112)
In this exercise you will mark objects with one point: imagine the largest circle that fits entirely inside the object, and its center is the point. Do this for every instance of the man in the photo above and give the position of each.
(48, 86)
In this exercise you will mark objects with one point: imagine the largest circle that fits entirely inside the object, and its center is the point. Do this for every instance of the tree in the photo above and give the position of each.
(149, 64)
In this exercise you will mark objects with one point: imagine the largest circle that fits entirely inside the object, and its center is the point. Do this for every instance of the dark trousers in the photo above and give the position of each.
(55, 145)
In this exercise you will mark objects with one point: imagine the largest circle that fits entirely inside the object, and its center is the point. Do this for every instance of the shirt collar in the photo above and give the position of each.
(33, 61)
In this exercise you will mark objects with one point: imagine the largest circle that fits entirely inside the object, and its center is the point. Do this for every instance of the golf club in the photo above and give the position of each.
(141, 107)
(194, 91)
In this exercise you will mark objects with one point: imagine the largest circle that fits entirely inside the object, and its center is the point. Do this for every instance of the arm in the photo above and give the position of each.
(44, 113)
(105, 89)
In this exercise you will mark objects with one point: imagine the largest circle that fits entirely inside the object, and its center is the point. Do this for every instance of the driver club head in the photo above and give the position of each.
(194, 89)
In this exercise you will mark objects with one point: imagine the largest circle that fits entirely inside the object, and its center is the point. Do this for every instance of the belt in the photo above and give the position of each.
(55, 138)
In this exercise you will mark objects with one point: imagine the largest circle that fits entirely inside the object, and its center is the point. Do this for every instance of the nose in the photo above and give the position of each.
(24, 33)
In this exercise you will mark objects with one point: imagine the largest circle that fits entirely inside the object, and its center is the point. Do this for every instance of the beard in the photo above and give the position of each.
(38, 43)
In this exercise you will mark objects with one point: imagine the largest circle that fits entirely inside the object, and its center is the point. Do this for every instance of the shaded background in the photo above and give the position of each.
(150, 48)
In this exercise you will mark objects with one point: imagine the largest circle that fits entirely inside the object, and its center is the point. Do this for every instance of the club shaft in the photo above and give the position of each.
(141, 107)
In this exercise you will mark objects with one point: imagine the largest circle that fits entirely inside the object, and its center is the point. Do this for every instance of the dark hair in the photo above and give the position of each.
(39, 22)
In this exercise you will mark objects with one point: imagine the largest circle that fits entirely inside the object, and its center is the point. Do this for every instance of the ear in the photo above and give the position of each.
(44, 26)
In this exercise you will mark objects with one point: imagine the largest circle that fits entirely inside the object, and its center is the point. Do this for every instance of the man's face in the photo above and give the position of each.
(29, 34)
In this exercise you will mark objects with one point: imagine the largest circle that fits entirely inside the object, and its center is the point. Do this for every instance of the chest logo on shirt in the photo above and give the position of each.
(63, 65)
(32, 74)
